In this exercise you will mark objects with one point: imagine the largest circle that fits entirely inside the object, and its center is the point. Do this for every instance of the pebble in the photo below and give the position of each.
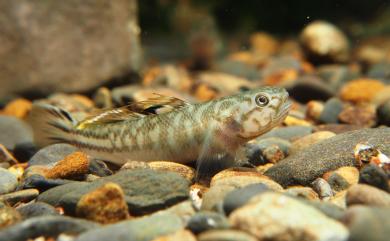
(273, 154)
(13, 132)
(254, 149)
(48, 226)
(25, 195)
(367, 195)
(304, 167)
(146, 190)
(339, 199)
(384, 113)
(375, 176)
(181, 235)
(361, 90)
(72, 166)
(240, 196)
(226, 235)
(337, 128)
(310, 87)
(272, 216)
(50, 155)
(183, 170)
(368, 223)
(8, 216)
(329, 209)
(302, 192)
(342, 178)
(196, 195)
(42, 184)
(306, 141)
(8, 181)
(105, 204)
(36, 209)
(323, 189)
(382, 96)
(24, 151)
(206, 220)
(361, 115)
(331, 111)
(140, 229)
(263, 44)
(314, 109)
(18, 108)
(323, 42)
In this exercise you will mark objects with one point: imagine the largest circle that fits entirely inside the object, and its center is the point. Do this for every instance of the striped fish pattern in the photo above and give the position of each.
(166, 128)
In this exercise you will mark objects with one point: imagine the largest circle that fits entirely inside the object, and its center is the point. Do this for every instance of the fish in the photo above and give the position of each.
(165, 128)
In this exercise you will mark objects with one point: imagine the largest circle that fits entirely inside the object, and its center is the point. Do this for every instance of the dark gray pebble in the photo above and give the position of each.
(384, 113)
(308, 88)
(36, 209)
(20, 196)
(146, 190)
(42, 184)
(14, 131)
(141, 229)
(331, 111)
(239, 197)
(48, 226)
(205, 220)
(24, 151)
(374, 176)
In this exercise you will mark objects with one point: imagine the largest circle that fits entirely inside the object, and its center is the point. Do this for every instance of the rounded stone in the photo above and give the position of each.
(226, 235)
(205, 220)
(306, 141)
(367, 195)
(8, 181)
(384, 113)
(375, 176)
(331, 111)
(50, 155)
(14, 131)
(36, 209)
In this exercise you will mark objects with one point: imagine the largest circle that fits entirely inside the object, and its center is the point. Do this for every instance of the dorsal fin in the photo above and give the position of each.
(155, 105)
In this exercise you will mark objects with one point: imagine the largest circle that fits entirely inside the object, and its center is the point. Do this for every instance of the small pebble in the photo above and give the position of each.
(361, 115)
(105, 205)
(8, 181)
(331, 111)
(72, 166)
(226, 235)
(342, 178)
(374, 176)
(25, 195)
(302, 192)
(384, 113)
(323, 189)
(273, 154)
(36, 209)
(18, 108)
(367, 195)
(8, 216)
(183, 170)
(205, 220)
(361, 90)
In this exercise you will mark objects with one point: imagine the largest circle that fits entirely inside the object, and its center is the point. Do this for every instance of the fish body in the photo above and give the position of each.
(182, 133)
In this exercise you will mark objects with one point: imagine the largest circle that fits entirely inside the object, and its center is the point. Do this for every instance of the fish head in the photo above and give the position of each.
(260, 110)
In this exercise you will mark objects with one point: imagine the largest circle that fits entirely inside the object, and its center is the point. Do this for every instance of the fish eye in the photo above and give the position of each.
(262, 100)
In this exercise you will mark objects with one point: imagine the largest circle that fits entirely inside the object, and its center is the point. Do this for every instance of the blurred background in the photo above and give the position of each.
(202, 48)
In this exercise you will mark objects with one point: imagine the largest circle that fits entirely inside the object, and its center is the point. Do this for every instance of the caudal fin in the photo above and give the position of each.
(50, 124)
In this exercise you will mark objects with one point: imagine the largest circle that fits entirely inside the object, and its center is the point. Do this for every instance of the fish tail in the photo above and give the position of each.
(51, 124)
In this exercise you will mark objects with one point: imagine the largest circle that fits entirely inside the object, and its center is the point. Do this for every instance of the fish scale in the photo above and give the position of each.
(166, 128)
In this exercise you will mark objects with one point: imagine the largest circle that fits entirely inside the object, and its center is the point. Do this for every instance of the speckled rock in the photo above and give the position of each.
(367, 195)
(140, 229)
(14, 131)
(45, 226)
(205, 220)
(226, 235)
(368, 223)
(145, 190)
(309, 140)
(304, 167)
(278, 217)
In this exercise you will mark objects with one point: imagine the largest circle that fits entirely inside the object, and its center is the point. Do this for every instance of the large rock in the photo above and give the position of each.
(273, 216)
(330, 154)
(66, 45)
(145, 190)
